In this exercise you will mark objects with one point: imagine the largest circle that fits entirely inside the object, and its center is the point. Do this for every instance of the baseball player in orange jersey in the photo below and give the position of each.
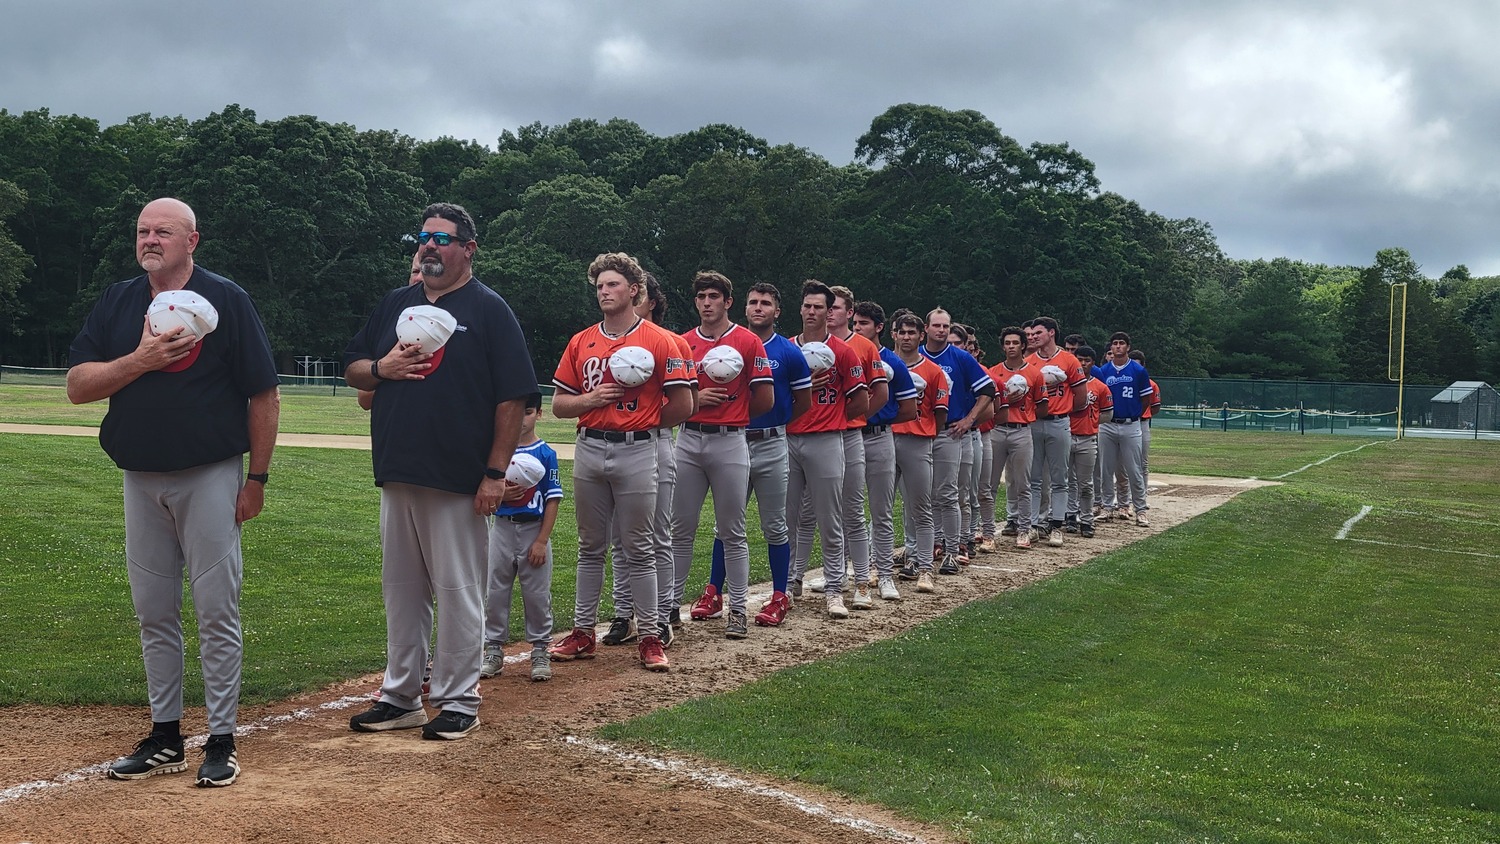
(622, 628)
(856, 532)
(914, 441)
(815, 445)
(1050, 436)
(1084, 454)
(712, 454)
(614, 464)
(1011, 437)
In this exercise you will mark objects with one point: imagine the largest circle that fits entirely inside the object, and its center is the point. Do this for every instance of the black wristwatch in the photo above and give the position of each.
(261, 478)
(375, 370)
(494, 474)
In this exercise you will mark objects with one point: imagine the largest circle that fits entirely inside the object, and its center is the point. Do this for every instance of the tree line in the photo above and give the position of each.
(938, 208)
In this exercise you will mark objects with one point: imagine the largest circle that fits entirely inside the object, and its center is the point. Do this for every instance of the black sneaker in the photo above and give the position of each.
(383, 716)
(1086, 531)
(220, 763)
(450, 726)
(666, 635)
(675, 621)
(1010, 529)
(909, 571)
(949, 566)
(621, 630)
(154, 754)
(796, 589)
(1070, 524)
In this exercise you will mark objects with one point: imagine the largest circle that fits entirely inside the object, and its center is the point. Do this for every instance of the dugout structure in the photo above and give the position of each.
(1466, 405)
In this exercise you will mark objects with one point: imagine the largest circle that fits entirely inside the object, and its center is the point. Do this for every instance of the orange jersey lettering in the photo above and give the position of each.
(585, 366)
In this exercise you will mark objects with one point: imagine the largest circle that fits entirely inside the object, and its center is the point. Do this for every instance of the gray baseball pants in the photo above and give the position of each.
(615, 484)
(1050, 442)
(914, 460)
(432, 545)
(1120, 452)
(719, 463)
(815, 468)
(1012, 450)
(1082, 457)
(666, 567)
(509, 543)
(768, 480)
(178, 522)
(856, 535)
(989, 484)
(880, 481)
(969, 454)
(945, 468)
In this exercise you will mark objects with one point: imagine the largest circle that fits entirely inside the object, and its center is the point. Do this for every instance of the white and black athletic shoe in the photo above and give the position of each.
(154, 754)
(450, 726)
(383, 716)
(221, 765)
(621, 630)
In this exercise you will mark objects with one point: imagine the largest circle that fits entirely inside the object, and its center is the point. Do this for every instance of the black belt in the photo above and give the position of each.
(1011, 424)
(755, 435)
(617, 436)
(523, 518)
(874, 430)
(1057, 416)
(1125, 420)
(712, 429)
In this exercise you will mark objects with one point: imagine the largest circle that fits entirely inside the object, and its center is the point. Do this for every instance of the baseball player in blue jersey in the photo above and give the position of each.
(1120, 434)
(972, 392)
(767, 438)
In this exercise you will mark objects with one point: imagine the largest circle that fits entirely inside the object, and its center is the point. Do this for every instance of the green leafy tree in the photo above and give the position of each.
(14, 262)
(1271, 332)
(302, 215)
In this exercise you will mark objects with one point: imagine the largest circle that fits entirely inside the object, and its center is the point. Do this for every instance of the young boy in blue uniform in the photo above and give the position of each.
(521, 550)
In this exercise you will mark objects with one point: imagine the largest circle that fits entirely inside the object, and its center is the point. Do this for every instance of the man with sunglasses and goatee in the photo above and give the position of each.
(444, 422)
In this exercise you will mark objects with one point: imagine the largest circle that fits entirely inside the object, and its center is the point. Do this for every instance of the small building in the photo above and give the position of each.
(1466, 406)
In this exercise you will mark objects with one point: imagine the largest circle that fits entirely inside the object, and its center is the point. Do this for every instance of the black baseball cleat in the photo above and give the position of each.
(154, 754)
(450, 725)
(221, 765)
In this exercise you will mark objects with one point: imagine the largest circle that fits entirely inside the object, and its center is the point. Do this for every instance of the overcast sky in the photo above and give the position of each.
(1318, 131)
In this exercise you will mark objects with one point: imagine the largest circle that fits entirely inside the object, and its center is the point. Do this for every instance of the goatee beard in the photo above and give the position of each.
(433, 268)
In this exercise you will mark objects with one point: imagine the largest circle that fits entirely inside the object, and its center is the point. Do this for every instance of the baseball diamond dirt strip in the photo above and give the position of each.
(531, 772)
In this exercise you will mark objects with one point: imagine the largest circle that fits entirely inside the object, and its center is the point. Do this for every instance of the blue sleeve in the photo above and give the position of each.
(553, 482)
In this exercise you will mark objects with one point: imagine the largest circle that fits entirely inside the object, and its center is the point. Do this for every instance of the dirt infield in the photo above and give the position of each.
(530, 773)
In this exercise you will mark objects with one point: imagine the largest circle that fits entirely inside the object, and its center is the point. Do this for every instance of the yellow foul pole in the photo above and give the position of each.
(1395, 356)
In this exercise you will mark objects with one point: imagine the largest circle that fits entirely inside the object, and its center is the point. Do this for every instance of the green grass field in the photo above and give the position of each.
(1241, 677)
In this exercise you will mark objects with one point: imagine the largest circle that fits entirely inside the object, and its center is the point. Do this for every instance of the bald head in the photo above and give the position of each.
(165, 236)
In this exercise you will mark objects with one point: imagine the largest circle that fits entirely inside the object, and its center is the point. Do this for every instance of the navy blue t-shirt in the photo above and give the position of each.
(169, 421)
(437, 432)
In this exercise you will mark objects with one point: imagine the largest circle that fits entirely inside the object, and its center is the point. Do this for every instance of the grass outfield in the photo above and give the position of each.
(1240, 677)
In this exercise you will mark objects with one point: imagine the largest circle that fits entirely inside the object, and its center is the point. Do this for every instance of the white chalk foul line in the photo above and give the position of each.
(728, 782)
(1353, 520)
(1328, 458)
(88, 772)
(1425, 548)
